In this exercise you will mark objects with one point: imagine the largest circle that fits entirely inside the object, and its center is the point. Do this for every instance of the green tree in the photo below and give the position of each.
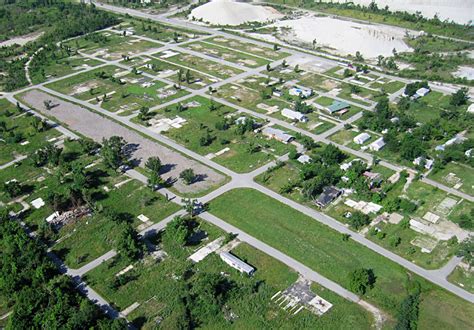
(361, 280)
(154, 164)
(112, 152)
(188, 176)
(128, 243)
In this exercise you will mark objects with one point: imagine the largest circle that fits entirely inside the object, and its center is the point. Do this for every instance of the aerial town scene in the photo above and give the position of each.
(216, 164)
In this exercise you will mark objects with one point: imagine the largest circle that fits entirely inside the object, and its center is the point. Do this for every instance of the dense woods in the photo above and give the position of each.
(56, 19)
(39, 295)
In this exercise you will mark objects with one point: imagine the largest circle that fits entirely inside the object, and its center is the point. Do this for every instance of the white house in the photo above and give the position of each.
(304, 92)
(361, 138)
(428, 162)
(377, 144)
(236, 263)
(294, 115)
(423, 91)
(303, 159)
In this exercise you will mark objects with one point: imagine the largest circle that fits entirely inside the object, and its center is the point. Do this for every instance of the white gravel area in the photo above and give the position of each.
(228, 12)
(460, 11)
(97, 127)
(344, 36)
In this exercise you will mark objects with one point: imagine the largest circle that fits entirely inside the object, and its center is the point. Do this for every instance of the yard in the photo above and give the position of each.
(462, 178)
(226, 54)
(248, 48)
(323, 250)
(213, 132)
(23, 134)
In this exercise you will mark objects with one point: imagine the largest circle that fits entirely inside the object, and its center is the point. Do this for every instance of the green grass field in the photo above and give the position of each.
(323, 250)
(201, 121)
(20, 137)
(200, 64)
(462, 278)
(248, 48)
(90, 238)
(461, 171)
(226, 54)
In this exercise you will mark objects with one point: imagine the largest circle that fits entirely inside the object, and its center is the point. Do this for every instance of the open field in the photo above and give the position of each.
(157, 31)
(245, 151)
(248, 47)
(63, 65)
(462, 176)
(97, 127)
(322, 249)
(23, 134)
(200, 64)
(110, 45)
(117, 90)
(226, 54)
(463, 278)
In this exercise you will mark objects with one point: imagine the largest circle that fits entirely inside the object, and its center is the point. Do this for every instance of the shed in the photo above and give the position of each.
(377, 144)
(423, 91)
(236, 263)
(361, 138)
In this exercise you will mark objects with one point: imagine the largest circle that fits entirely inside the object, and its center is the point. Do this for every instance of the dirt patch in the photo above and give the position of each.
(97, 127)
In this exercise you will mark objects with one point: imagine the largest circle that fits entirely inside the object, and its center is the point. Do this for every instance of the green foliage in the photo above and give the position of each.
(128, 243)
(361, 280)
(188, 176)
(460, 97)
(40, 297)
(466, 250)
(408, 314)
(359, 220)
(112, 152)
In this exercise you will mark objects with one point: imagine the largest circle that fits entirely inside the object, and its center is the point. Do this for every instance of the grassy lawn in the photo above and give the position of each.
(318, 82)
(201, 121)
(110, 45)
(462, 278)
(323, 250)
(200, 64)
(92, 237)
(462, 172)
(125, 92)
(20, 137)
(226, 54)
(60, 67)
(343, 137)
(161, 32)
(154, 288)
(248, 48)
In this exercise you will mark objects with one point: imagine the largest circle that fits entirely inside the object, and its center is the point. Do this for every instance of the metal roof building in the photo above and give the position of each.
(236, 263)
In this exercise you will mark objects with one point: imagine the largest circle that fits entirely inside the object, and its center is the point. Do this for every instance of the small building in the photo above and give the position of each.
(428, 162)
(277, 93)
(423, 91)
(277, 134)
(304, 159)
(294, 115)
(299, 91)
(361, 138)
(329, 194)
(374, 178)
(236, 263)
(337, 106)
(377, 144)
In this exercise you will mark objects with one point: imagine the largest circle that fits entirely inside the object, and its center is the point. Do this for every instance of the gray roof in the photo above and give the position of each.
(237, 263)
(328, 195)
(277, 133)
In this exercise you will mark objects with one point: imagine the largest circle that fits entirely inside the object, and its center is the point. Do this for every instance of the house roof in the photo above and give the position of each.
(328, 195)
(338, 106)
(362, 137)
(292, 114)
(226, 256)
(277, 133)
